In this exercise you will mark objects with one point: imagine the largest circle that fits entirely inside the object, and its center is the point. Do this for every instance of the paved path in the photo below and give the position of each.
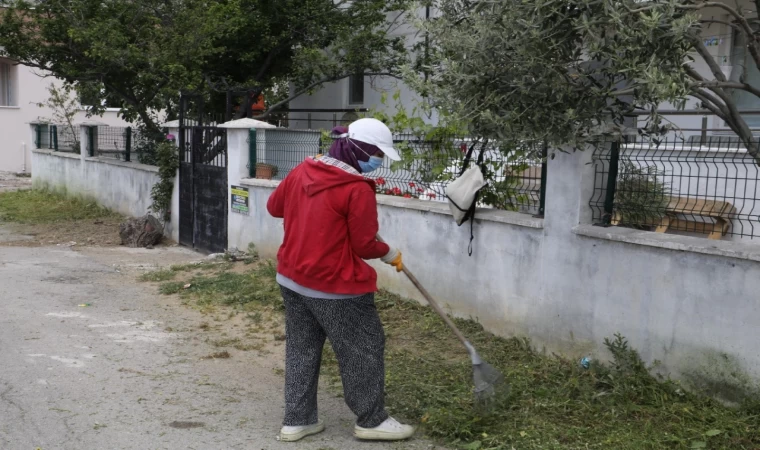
(126, 372)
(11, 182)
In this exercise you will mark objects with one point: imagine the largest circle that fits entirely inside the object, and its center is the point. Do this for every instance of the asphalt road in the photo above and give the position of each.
(126, 372)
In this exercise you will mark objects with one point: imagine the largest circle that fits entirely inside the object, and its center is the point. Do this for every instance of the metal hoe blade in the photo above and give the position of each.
(487, 382)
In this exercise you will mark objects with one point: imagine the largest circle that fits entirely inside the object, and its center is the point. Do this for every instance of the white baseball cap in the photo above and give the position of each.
(374, 132)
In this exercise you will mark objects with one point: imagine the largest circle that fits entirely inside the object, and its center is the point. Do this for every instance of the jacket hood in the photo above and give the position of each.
(319, 176)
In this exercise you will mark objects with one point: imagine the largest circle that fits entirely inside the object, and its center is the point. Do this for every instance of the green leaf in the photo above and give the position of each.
(473, 446)
(698, 444)
(712, 433)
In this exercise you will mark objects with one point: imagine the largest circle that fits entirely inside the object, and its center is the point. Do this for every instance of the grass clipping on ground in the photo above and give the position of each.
(55, 218)
(554, 403)
(39, 206)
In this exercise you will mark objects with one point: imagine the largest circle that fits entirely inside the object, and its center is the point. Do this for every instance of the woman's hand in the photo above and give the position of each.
(393, 258)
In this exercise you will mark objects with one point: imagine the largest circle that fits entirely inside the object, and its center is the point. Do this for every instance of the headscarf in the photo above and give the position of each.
(350, 151)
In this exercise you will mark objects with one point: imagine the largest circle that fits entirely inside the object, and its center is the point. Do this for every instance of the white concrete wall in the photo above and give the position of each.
(16, 142)
(121, 186)
(688, 302)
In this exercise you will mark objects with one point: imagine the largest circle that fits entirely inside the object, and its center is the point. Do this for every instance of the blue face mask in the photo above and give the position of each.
(374, 163)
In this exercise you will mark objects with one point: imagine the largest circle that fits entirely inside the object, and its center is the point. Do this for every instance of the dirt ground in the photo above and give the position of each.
(101, 233)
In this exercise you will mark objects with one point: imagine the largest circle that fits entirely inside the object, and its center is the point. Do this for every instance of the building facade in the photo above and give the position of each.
(22, 88)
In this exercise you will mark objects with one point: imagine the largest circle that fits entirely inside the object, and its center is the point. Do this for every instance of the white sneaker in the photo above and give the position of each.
(390, 430)
(292, 434)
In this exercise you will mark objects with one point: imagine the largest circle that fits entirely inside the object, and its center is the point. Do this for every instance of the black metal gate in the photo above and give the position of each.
(202, 179)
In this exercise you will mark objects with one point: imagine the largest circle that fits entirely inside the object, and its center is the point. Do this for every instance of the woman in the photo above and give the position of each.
(330, 214)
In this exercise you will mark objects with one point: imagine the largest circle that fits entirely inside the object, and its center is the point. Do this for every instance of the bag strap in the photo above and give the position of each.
(467, 158)
(481, 154)
(472, 224)
(470, 215)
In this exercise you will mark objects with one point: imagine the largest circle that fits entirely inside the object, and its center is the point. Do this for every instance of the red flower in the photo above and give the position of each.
(420, 190)
(411, 185)
(397, 191)
(407, 195)
(388, 192)
(463, 147)
(431, 195)
(380, 181)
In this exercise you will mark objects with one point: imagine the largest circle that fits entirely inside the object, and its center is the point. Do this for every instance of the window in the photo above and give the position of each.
(356, 89)
(7, 84)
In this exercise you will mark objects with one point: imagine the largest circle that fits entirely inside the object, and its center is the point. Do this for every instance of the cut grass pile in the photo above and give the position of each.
(554, 403)
(43, 207)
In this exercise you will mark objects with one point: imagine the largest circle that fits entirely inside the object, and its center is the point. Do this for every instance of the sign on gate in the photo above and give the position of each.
(239, 197)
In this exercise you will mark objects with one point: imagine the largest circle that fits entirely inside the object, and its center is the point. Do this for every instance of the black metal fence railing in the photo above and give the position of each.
(709, 188)
(68, 138)
(514, 176)
(121, 143)
(62, 138)
(114, 142)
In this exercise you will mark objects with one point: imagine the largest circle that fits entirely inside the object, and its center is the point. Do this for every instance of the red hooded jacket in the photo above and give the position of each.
(330, 228)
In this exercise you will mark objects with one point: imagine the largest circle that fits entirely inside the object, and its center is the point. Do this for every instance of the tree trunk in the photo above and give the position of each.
(739, 126)
(148, 121)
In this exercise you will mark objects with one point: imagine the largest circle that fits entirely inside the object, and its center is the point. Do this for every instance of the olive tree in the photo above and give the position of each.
(568, 71)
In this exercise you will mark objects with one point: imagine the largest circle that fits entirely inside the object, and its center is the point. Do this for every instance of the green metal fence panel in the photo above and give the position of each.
(91, 141)
(55, 137)
(128, 144)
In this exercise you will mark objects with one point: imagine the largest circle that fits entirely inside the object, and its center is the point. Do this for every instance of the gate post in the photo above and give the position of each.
(171, 228)
(84, 141)
(239, 138)
(241, 166)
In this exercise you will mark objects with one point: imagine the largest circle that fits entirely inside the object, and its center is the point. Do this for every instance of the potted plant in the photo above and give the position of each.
(265, 171)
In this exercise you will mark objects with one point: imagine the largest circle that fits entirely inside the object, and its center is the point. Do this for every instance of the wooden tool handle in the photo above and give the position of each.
(432, 302)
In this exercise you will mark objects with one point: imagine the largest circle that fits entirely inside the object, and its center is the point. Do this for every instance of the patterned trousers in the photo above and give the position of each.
(358, 340)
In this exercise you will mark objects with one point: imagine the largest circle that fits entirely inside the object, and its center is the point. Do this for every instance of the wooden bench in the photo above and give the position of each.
(720, 212)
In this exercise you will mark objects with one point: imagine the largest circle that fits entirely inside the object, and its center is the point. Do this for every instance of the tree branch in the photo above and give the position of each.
(149, 98)
(729, 85)
(706, 96)
(730, 114)
(699, 46)
(715, 109)
(721, 22)
(265, 66)
(742, 21)
(693, 73)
